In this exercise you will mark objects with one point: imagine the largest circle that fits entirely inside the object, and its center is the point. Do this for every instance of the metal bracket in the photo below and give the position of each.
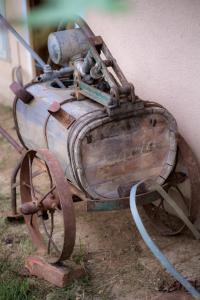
(120, 91)
(61, 115)
(94, 94)
(21, 92)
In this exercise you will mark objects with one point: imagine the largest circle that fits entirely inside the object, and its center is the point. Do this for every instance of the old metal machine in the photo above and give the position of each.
(81, 125)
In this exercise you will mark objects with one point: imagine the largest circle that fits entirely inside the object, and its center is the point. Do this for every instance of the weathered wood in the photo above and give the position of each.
(59, 275)
(99, 153)
(126, 151)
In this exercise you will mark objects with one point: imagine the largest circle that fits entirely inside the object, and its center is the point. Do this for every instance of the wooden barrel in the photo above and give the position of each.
(99, 154)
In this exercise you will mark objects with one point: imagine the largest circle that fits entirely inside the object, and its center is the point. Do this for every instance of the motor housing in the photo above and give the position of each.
(67, 45)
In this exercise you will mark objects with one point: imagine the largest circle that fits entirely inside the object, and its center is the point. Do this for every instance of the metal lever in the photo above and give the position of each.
(35, 56)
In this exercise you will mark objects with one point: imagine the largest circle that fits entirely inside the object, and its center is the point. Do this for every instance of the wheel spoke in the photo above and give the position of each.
(51, 231)
(37, 173)
(30, 177)
(47, 194)
(49, 236)
(157, 209)
(35, 189)
(53, 202)
(31, 220)
(50, 178)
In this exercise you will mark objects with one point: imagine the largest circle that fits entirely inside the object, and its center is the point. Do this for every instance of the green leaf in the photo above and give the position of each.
(52, 12)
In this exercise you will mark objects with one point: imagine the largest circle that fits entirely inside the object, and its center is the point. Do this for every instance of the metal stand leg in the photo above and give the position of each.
(14, 214)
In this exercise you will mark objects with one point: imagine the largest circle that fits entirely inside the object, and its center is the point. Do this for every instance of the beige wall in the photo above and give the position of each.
(157, 45)
(18, 55)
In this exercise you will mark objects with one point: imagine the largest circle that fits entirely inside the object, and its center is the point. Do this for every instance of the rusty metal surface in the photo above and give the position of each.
(13, 187)
(31, 119)
(62, 199)
(48, 71)
(102, 142)
(193, 170)
(116, 95)
(156, 149)
(84, 50)
(158, 215)
(21, 92)
(14, 215)
(144, 197)
(66, 44)
(84, 27)
(39, 130)
(16, 99)
(121, 203)
(10, 139)
(59, 114)
(8, 26)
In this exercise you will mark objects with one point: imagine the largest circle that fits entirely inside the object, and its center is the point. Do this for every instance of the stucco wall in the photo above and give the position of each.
(157, 45)
(18, 56)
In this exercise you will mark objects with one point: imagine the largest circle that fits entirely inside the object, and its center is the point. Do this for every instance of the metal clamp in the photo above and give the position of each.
(61, 115)
(21, 92)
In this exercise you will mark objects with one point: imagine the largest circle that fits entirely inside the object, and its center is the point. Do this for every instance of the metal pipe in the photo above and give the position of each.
(85, 27)
(35, 56)
(5, 23)
(10, 139)
(55, 74)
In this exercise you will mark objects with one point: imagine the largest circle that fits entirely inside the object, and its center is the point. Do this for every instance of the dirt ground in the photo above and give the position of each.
(117, 262)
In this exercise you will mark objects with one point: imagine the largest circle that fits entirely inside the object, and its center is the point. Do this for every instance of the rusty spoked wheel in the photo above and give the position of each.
(47, 205)
(162, 218)
(185, 192)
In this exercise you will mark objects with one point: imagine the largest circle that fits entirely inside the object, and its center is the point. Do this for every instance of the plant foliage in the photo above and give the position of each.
(52, 12)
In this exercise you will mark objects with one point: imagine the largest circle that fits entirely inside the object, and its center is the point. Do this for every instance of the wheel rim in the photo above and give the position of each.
(44, 211)
(189, 167)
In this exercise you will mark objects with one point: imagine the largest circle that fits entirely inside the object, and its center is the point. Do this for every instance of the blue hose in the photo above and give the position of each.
(154, 249)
